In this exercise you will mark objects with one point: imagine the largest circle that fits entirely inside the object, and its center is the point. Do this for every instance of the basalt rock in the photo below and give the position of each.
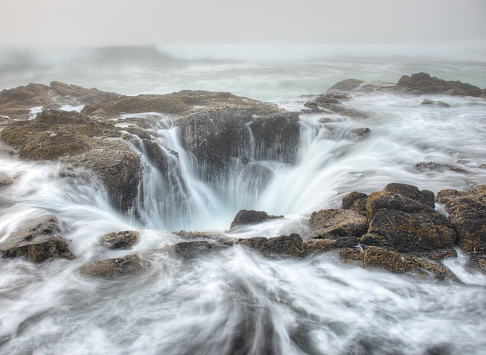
(385, 201)
(114, 268)
(251, 217)
(413, 232)
(325, 245)
(467, 213)
(119, 240)
(383, 258)
(285, 245)
(333, 223)
(37, 241)
(423, 83)
(350, 200)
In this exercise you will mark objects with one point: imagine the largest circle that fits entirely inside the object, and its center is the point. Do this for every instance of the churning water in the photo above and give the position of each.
(237, 302)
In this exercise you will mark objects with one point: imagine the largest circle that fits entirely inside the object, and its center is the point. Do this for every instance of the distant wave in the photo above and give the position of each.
(170, 55)
(463, 51)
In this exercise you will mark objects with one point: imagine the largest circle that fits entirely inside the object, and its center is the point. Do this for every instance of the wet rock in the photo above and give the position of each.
(348, 200)
(313, 106)
(437, 255)
(413, 232)
(359, 134)
(447, 195)
(119, 240)
(325, 245)
(334, 223)
(285, 245)
(423, 83)
(435, 103)
(425, 196)
(199, 235)
(251, 217)
(114, 268)
(386, 201)
(118, 166)
(393, 261)
(468, 216)
(16, 103)
(373, 239)
(431, 167)
(37, 242)
(192, 249)
(477, 261)
(5, 179)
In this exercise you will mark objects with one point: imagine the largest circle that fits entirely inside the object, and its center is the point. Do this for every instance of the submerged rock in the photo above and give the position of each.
(251, 217)
(37, 242)
(119, 240)
(114, 268)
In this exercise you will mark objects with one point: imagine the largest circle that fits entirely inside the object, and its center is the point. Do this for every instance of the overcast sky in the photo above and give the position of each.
(118, 22)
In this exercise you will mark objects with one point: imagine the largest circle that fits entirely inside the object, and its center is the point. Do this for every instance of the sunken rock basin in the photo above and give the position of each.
(397, 229)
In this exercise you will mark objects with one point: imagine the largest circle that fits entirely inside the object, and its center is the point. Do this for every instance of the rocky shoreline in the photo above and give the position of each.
(397, 229)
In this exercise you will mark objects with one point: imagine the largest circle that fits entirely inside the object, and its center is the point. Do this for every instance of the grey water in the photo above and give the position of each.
(237, 302)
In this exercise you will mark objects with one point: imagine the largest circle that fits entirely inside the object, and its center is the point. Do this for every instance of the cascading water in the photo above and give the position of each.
(235, 301)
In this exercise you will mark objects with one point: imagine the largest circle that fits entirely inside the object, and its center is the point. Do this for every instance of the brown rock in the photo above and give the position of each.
(37, 242)
(285, 245)
(325, 245)
(251, 217)
(349, 200)
(114, 268)
(337, 222)
(423, 83)
(386, 201)
(119, 240)
(413, 232)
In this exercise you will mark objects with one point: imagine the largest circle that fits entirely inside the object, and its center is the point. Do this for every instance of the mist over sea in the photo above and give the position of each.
(238, 302)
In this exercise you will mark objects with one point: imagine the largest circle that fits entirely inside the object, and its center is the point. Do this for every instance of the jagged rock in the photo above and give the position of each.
(468, 216)
(435, 103)
(437, 255)
(119, 240)
(114, 268)
(477, 261)
(355, 201)
(385, 201)
(37, 242)
(376, 257)
(17, 102)
(413, 232)
(447, 195)
(286, 245)
(337, 223)
(425, 196)
(423, 83)
(251, 217)
(325, 245)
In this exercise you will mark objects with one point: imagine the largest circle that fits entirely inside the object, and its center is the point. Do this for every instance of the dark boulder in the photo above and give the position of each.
(334, 223)
(37, 241)
(423, 83)
(119, 240)
(251, 217)
(385, 201)
(425, 196)
(413, 232)
(193, 249)
(285, 245)
(468, 216)
(114, 268)
(350, 199)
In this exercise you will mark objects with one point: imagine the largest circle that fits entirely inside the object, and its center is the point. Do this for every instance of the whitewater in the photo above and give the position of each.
(238, 302)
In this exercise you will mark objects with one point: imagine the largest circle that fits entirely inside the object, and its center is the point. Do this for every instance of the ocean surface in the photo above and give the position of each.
(238, 302)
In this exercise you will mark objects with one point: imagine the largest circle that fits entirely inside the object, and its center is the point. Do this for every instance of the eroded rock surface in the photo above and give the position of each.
(251, 217)
(114, 268)
(37, 241)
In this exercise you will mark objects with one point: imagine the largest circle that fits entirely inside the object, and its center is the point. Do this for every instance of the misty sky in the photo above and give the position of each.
(115, 22)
